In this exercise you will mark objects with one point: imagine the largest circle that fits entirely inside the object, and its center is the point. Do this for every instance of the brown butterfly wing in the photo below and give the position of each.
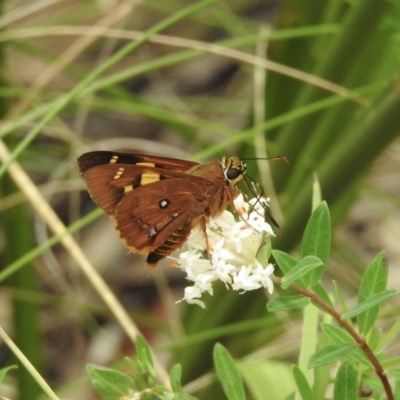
(155, 201)
(96, 158)
(108, 183)
(150, 216)
(153, 208)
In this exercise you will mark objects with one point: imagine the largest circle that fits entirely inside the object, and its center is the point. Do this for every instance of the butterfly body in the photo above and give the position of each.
(155, 201)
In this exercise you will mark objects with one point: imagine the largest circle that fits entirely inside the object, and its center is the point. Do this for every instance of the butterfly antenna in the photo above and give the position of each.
(259, 196)
(283, 158)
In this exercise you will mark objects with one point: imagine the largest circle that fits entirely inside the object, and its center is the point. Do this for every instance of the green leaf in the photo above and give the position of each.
(369, 303)
(374, 281)
(317, 240)
(337, 335)
(110, 384)
(302, 384)
(3, 372)
(330, 354)
(143, 351)
(316, 193)
(317, 235)
(285, 261)
(228, 374)
(346, 385)
(303, 267)
(142, 365)
(175, 378)
(287, 303)
(266, 379)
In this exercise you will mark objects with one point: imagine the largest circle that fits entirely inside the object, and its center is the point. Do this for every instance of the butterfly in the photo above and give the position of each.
(156, 201)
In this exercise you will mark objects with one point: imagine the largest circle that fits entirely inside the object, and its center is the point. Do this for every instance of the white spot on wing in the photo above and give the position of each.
(152, 231)
(164, 203)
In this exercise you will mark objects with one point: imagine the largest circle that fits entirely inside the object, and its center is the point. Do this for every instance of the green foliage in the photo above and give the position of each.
(305, 390)
(287, 303)
(345, 341)
(305, 266)
(369, 306)
(373, 283)
(228, 374)
(112, 384)
(330, 354)
(3, 372)
(346, 387)
(317, 240)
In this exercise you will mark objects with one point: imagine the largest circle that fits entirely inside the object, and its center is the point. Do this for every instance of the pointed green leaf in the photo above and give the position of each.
(3, 372)
(302, 384)
(346, 385)
(370, 303)
(330, 354)
(228, 374)
(317, 235)
(287, 303)
(374, 281)
(110, 384)
(316, 193)
(317, 240)
(143, 351)
(175, 378)
(143, 363)
(336, 334)
(303, 267)
(285, 261)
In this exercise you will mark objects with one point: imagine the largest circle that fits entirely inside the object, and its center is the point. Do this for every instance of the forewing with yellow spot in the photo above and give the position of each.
(156, 201)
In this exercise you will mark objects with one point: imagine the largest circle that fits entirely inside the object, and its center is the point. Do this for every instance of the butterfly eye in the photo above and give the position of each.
(233, 173)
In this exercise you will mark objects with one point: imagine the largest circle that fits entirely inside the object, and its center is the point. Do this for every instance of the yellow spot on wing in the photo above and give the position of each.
(119, 173)
(149, 178)
(128, 188)
(114, 159)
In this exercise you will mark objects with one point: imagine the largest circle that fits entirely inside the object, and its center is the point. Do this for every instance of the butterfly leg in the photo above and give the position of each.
(203, 225)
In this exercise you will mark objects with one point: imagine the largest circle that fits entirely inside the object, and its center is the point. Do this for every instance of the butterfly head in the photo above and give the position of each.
(234, 169)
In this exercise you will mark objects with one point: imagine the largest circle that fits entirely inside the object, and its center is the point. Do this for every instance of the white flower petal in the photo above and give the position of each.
(233, 250)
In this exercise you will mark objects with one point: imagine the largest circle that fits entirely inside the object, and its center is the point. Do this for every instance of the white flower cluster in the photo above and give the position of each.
(233, 250)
